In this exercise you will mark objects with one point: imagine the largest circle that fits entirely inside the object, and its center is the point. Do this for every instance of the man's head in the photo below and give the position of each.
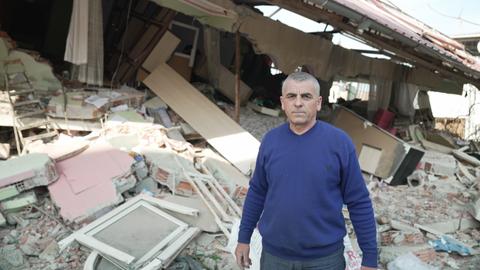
(301, 100)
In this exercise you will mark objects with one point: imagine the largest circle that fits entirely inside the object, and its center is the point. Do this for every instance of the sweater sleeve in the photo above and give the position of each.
(254, 202)
(356, 197)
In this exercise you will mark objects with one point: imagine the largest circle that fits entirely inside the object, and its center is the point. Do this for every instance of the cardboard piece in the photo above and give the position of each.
(397, 160)
(225, 135)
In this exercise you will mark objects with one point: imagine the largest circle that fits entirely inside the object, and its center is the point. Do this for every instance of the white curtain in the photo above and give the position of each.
(378, 96)
(77, 39)
(404, 97)
(90, 47)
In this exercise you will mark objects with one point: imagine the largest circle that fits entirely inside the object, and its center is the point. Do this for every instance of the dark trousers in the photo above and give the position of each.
(334, 261)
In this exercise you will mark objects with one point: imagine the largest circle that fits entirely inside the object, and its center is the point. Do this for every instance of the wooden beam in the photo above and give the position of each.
(237, 76)
(225, 135)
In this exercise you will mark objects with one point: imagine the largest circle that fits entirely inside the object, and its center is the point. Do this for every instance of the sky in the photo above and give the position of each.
(451, 17)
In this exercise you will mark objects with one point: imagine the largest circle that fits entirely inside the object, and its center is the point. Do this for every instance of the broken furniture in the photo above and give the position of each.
(150, 238)
(379, 152)
(27, 111)
(92, 103)
(180, 176)
(220, 204)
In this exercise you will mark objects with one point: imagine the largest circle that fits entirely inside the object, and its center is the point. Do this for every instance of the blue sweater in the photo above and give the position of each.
(300, 184)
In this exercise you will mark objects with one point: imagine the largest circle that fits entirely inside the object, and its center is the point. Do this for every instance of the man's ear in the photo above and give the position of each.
(281, 102)
(319, 104)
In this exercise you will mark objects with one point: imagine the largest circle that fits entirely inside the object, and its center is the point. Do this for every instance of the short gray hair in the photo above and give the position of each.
(303, 76)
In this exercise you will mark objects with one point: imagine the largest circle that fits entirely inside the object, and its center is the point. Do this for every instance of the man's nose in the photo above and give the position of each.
(298, 101)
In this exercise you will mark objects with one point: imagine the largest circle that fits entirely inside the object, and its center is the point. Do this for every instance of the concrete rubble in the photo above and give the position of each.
(146, 163)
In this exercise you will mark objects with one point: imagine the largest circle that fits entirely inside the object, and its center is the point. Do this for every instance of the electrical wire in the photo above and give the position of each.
(123, 46)
(459, 18)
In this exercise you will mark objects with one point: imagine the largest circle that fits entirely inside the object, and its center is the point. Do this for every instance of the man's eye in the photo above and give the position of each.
(307, 97)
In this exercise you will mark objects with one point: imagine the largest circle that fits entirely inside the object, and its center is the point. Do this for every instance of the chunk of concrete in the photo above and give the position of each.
(438, 163)
(3, 221)
(62, 148)
(168, 168)
(408, 261)
(30, 170)
(19, 202)
(8, 192)
(12, 258)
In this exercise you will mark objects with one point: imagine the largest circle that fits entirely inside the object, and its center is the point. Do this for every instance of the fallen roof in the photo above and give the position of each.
(379, 16)
(389, 29)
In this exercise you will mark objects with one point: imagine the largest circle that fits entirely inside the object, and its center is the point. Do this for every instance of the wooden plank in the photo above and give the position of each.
(227, 137)
(226, 85)
(162, 51)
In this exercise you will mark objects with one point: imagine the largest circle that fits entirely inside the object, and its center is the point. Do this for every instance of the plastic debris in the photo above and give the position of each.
(449, 244)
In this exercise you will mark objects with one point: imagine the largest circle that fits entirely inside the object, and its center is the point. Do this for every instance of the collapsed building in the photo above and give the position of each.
(129, 136)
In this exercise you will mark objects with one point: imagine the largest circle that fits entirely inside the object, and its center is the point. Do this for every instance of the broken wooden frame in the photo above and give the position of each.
(159, 255)
(222, 207)
(191, 57)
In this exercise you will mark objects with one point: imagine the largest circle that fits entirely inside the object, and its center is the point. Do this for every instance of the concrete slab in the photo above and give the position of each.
(58, 150)
(167, 167)
(8, 192)
(86, 183)
(31, 170)
(438, 163)
(19, 202)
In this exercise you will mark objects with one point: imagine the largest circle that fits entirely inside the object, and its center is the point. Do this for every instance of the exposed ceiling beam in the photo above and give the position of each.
(321, 15)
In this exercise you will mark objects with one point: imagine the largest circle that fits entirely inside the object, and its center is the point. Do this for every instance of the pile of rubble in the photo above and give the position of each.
(432, 220)
(45, 201)
(160, 181)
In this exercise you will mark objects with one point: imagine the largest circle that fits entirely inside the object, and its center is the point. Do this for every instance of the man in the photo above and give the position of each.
(305, 171)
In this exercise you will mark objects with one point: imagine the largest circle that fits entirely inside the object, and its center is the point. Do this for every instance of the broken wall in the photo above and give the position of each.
(379, 152)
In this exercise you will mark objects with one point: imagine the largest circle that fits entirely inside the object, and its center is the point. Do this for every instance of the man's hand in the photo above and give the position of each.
(367, 268)
(241, 252)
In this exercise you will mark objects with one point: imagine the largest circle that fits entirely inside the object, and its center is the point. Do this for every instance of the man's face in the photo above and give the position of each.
(300, 103)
